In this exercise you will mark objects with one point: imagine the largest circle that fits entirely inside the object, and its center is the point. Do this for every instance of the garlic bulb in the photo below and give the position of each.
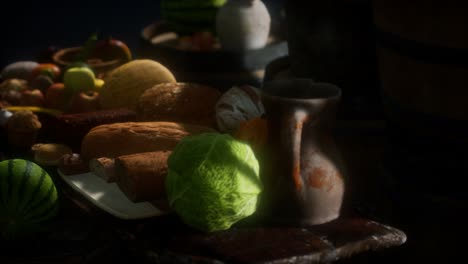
(236, 105)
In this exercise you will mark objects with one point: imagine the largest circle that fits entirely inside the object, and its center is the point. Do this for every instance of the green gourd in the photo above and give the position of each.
(28, 197)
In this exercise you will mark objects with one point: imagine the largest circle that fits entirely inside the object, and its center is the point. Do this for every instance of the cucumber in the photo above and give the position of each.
(28, 197)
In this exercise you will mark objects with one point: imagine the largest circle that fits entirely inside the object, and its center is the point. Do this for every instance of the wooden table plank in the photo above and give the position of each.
(336, 240)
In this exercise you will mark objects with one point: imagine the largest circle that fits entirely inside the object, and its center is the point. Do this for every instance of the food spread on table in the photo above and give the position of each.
(135, 127)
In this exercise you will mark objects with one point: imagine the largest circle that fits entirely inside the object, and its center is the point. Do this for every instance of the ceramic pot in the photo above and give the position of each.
(303, 171)
(219, 67)
(243, 25)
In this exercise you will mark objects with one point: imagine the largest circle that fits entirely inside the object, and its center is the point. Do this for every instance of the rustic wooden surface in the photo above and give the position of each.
(83, 234)
(336, 240)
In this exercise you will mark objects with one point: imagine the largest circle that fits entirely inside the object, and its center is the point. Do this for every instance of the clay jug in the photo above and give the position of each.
(303, 171)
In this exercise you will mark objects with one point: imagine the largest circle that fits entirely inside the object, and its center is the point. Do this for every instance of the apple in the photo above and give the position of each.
(79, 79)
(32, 98)
(55, 96)
(85, 102)
(41, 82)
(48, 69)
(112, 49)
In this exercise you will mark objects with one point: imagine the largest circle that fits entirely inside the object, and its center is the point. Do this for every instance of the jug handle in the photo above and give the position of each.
(300, 117)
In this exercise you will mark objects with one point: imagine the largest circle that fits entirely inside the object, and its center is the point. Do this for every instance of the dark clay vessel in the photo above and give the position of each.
(303, 172)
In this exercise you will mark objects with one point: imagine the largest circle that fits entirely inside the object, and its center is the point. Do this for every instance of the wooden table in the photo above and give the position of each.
(84, 234)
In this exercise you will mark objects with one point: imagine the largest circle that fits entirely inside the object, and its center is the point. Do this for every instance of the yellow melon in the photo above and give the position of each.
(124, 85)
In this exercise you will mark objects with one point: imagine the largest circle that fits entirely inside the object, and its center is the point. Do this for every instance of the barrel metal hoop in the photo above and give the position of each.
(420, 51)
(424, 124)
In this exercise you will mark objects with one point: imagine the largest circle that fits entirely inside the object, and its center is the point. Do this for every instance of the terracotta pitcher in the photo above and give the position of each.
(302, 172)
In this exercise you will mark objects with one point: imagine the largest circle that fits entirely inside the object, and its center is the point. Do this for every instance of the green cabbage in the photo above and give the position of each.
(213, 181)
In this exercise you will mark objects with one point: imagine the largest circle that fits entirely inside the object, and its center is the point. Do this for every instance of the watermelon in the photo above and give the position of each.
(190, 16)
(28, 197)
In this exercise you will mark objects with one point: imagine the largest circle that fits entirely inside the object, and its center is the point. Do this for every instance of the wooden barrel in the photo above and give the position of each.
(333, 41)
(422, 47)
(423, 65)
(219, 68)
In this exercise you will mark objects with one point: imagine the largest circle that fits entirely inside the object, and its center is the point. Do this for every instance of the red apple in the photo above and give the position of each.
(112, 49)
(55, 96)
(32, 98)
(85, 102)
(41, 82)
(48, 69)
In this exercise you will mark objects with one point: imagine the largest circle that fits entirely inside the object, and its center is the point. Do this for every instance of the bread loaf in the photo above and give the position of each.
(141, 176)
(179, 102)
(114, 140)
(103, 168)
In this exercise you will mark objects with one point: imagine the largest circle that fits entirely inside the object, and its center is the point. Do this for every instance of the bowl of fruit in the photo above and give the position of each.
(101, 55)
(188, 42)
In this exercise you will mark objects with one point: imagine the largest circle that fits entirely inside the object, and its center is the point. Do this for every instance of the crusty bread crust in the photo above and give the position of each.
(141, 176)
(189, 103)
(118, 139)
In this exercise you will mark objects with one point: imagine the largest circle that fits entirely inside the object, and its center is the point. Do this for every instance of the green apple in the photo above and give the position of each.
(79, 79)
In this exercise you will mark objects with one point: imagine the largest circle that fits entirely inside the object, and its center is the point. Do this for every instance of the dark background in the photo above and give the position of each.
(433, 225)
(27, 28)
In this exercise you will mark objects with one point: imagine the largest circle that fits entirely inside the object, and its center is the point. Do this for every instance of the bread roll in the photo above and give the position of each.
(179, 102)
(103, 168)
(114, 140)
(141, 176)
(49, 154)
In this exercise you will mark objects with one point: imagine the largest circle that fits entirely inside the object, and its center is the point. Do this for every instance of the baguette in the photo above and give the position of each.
(114, 140)
(141, 176)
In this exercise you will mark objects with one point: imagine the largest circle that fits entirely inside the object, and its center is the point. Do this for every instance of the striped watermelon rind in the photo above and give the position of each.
(185, 29)
(190, 16)
(28, 197)
(201, 15)
(190, 4)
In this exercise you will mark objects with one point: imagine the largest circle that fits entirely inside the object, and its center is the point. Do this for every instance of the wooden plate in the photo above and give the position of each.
(108, 197)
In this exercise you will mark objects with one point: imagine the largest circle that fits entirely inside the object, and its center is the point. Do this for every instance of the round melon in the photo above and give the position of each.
(28, 197)
(124, 85)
